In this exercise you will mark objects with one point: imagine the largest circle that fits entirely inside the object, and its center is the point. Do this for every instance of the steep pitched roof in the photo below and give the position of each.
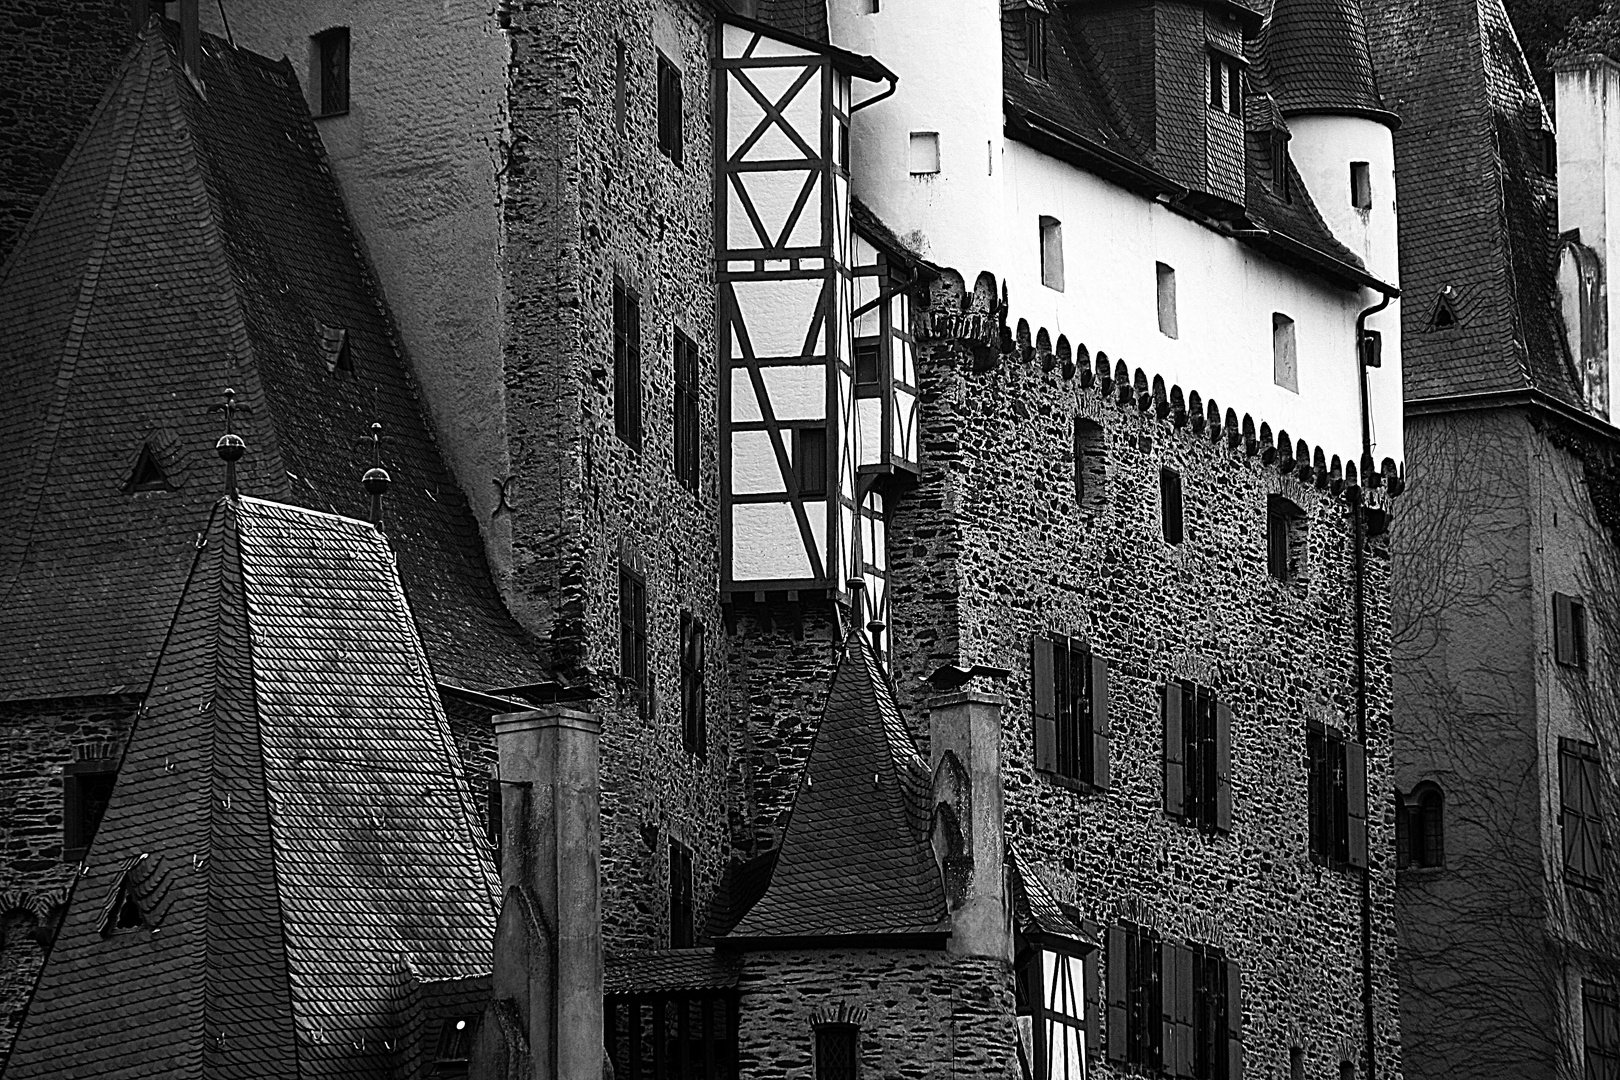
(1476, 212)
(192, 243)
(855, 858)
(289, 820)
(1036, 912)
(1315, 59)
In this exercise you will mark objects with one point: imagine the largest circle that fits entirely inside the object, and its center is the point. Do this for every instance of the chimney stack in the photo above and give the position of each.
(967, 725)
(1587, 94)
(548, 946)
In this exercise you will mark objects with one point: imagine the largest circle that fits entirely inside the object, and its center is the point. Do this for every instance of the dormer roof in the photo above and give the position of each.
(1314, 58)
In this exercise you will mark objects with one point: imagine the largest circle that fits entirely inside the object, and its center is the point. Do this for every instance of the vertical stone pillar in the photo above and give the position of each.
(551, 806)
(967, 724)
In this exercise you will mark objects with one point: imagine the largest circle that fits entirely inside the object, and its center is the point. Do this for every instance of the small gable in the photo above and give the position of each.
(129, 899)
(334, 345)
(148, 473)
(1443, 316)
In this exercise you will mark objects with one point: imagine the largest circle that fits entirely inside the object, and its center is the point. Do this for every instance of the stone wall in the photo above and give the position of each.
(583, 203)
(995, 515)
(55, 62)
(921, 1013)
(40, 739)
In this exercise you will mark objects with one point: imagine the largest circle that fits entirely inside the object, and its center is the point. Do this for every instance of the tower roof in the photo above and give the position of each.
(288, 835)
(193, 241)
(855, 859)
(1315, 59)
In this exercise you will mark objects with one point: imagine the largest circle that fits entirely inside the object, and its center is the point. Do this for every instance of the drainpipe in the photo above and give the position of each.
(1359, 559)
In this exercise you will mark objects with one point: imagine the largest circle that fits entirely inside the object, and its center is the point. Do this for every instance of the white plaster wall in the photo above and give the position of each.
(1588, 100)
(949, 64)
(417, 157)
(1225, 291)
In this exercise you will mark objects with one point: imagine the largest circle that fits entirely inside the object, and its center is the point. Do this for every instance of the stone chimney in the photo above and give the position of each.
(1587, 90)
(964, 744)
(545, 1020)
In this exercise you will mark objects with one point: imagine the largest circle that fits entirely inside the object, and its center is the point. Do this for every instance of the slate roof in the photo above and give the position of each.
(803, 18)
(1035, 910)
(1314, 57)
(1081, 98)
(1476, 212)
(187, 245)
(855, 858)
(667, 971)
(289, 814)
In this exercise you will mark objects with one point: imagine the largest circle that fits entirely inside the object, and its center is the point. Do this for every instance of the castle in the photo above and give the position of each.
(884, 546)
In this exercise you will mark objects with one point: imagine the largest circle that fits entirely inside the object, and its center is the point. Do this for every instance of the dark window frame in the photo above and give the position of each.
(838, 1051)
(1580, 818)
(1287, 538)
(1069, 703)
(810, 461)
(1135, 997)
(1033, 998)
(1420, 817)
(1600, 1030)
(87, 788)
(1172, 507)
(633, 668)
(671, 111)
(1336, 786)
(682, 907)
(1569, 630)
(694, 690)
(1361, 195)
(332, 49)
(1210, 1023)
(688, 414)
(627, 389)
(1225, 83)
(1035, 44)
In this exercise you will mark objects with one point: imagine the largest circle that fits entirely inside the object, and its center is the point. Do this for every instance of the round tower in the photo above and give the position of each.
(928, 159)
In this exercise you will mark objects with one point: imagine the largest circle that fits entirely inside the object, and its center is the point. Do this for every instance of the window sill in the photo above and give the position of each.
(1081, 787)
(330, 115)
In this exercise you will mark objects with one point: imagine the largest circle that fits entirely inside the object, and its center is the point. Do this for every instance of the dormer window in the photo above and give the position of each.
(331, 63)
(1361, 185)
(1035, 41)
(1279, 166)
(1225, 84)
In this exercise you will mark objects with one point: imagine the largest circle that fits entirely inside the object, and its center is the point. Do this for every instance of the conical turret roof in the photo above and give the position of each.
(1315, 59)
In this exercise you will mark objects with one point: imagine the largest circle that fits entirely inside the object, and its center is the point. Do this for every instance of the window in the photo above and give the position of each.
(1069, 698)
(1166, 277)
(1337, 797)
(1050, 989)
(455, 1046)
(680, 896)
(148, 473)
(868, 360)
(1286, 538)
(1284, 358)
(690, 1034)
(1544, 148)
(1279, 167)
(671, 134)
(633, 633)
(1578, 779)
(924, 154)
(837, 1052)
(1135, 997)
(332, 70)
(124, 908)
(494, 815)
(1569, 630)
(687, 429)
(694, 699)
(621, 86)
(87, 788)
(1360, 185)
(1197, 756)
(1090, 465)
(1600, 1009)
(1035, 42)
(334, 347)
(1420, 827)
(1170, 505)
(1296, 1063)
(626, 364)
(810, 460)
(1225, 84)
(1052, 253)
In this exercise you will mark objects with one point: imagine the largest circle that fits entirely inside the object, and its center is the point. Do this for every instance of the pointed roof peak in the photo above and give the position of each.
(1315, 59)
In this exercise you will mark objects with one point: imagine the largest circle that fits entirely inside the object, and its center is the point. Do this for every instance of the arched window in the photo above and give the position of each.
(1420, 827)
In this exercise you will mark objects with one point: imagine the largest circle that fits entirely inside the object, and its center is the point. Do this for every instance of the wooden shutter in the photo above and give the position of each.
(1042, 695)
(1355, 785)
(1094, 1002)
(1177, 1009)
(1175, 781)
(1101, 733)
(1118, 1039)
(1563, 630)
(1234, 1020)
(677, 119)
(1223, 767)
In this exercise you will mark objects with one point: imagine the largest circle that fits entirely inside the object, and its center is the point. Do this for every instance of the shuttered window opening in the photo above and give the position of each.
(1054, 996)
(1135, 997)
(1580, 820)
(1069, 695)
(671, 132)
(687, 429)
(1600, 1009)
(1337, 797)
(837, 1052)
(694, 695)
(681, 930)
(1090, 465)
(626, 364)
(633, 634)
(654, 1036)
(1197, 756)
(1569, 630)
(1287, 538)
(1174, 1008)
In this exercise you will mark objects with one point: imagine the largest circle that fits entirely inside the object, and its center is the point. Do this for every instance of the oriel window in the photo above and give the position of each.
(332, 70)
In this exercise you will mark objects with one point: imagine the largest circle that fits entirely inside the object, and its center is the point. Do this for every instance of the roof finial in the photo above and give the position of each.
(230, 446)
(376, 479)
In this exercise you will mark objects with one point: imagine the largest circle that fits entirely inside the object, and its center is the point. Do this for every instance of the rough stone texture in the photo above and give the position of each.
(55, 61)
(994, 516)
(582, 203)
(40, 738)
(922, 1014)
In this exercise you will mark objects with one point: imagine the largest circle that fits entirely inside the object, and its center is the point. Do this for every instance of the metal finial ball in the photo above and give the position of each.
(230, 447)
(376, 481)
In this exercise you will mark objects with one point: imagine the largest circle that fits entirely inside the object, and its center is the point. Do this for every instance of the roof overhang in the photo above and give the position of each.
(1528, 397)
(856, 64)
(1381, 116)
(926, 940)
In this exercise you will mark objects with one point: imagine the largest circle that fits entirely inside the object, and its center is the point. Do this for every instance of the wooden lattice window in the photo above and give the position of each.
(837, 1052)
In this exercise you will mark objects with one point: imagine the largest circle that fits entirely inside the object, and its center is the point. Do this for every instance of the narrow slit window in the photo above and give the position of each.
(1170, 505)
(681, 929)
(924, 154)
(810, 460)
(633, 633)
(1166, 277)
(1569, 630)
(687, 431)
(1284, 352)
(671, 134)
(1225, 84)
(1090, 465)
(332, 70)
(1052, 253)
(694, 698)
(621, 86)
(1286, 538)
(1360, 185)
(626, 364)
(1279, 167)
(1035, 43)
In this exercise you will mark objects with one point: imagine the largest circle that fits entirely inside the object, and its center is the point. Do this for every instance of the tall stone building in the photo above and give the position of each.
(867, 666)
(1505, 554)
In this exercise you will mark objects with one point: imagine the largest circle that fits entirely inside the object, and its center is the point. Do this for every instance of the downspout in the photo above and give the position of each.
(1359, 561)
